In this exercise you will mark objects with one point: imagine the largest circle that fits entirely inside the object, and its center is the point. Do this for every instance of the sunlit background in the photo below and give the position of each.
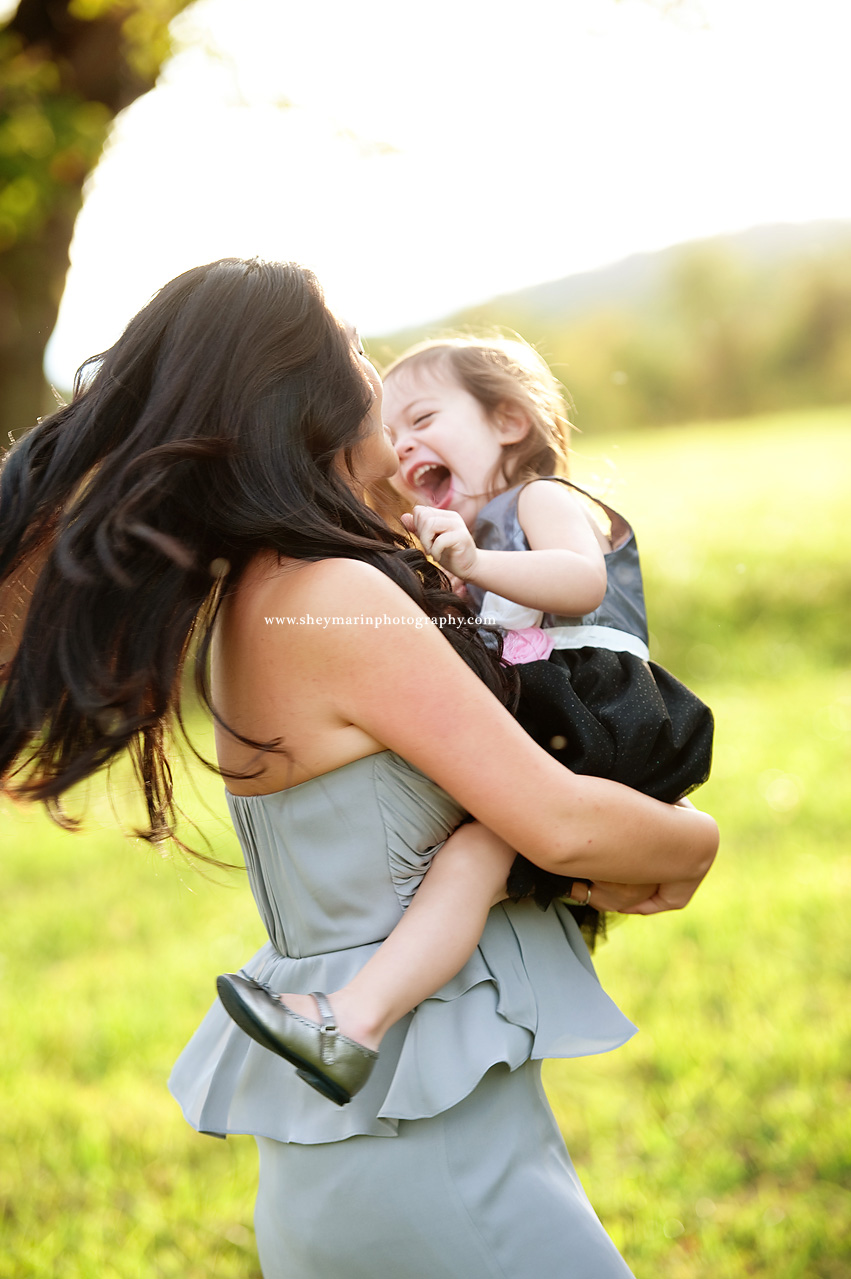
(657, 194)
(425, 157)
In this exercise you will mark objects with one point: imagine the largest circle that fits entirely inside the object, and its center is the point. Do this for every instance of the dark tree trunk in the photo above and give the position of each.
(33, 276)
(92, 66)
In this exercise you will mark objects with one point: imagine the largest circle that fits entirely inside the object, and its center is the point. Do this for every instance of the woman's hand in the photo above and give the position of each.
(647, 899)
(653, 898)
(621, 898)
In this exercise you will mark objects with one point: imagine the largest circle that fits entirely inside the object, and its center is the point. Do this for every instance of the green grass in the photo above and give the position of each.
(714, 1145)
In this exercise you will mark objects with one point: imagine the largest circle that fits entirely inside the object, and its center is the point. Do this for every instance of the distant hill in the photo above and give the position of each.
(726, 326)
(633, 282)
(635, 279)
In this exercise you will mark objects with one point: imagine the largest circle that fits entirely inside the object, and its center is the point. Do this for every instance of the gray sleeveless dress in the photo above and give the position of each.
(449, 1163)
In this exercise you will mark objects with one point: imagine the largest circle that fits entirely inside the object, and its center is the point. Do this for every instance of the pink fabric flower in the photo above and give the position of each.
(531, 644)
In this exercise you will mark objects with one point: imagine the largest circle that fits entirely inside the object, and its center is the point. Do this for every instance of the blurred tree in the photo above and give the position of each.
(67, 67)
(811, 358)
(707, 301)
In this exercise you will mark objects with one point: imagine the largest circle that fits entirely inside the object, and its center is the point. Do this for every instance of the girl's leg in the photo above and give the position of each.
(434, 939)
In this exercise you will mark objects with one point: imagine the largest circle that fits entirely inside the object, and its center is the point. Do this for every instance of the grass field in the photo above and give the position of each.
(715, 1145)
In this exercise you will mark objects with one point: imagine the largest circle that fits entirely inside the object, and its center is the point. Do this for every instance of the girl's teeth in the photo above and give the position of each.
(423, 470)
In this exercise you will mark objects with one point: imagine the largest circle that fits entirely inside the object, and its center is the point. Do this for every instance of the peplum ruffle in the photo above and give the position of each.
(529, 991)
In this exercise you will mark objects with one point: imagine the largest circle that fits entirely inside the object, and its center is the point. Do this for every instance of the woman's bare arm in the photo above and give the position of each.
(401, 684)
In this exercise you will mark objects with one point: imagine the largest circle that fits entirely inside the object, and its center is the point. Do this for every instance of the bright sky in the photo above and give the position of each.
(438, 153)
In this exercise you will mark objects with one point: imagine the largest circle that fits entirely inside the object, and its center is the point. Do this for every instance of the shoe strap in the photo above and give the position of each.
(327, 1027)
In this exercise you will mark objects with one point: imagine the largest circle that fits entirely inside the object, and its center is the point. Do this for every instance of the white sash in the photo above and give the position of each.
(598, 637)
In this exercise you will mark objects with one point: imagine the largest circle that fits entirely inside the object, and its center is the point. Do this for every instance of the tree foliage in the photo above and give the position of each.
(67, 67)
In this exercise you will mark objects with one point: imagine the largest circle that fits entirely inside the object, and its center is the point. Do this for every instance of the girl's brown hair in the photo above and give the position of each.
(501, 373)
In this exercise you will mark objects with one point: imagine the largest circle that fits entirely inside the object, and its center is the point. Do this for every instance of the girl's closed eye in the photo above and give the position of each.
(424, 418)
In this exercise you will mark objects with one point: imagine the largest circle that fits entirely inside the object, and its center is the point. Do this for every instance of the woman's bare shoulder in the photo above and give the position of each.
(316, 613)
(328, 584)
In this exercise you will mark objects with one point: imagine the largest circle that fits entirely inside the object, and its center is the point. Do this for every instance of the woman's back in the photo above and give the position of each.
(271, 679)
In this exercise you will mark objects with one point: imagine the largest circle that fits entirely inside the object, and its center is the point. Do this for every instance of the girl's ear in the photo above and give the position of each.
(512, 423)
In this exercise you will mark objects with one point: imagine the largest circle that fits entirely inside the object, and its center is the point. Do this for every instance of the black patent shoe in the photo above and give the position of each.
(329, 1061)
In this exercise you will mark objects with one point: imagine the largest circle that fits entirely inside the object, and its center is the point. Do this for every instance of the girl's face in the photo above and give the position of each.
(449, 449)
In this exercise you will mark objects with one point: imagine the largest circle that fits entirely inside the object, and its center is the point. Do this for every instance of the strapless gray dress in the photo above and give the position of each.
(449, 1162)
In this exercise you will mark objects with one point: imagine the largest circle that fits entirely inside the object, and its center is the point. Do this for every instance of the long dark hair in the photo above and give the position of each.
(208, 432)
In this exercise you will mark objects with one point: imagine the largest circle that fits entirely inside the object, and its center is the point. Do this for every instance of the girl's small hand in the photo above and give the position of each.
(446, 538)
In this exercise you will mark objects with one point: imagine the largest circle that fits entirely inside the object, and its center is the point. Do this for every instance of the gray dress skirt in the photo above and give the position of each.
(449, 1163)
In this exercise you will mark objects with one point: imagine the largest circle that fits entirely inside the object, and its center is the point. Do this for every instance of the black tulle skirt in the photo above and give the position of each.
(611, 715)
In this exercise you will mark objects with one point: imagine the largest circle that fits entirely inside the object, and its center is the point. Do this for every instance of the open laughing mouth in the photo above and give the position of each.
(433, 482)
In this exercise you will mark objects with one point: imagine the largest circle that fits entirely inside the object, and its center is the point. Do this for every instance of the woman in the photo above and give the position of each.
(205, 487)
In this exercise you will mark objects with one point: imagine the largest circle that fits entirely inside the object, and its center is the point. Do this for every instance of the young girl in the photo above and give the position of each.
(481, 433)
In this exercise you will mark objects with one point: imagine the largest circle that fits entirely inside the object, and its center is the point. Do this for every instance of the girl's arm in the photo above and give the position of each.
(403, 687)
(563, 572)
